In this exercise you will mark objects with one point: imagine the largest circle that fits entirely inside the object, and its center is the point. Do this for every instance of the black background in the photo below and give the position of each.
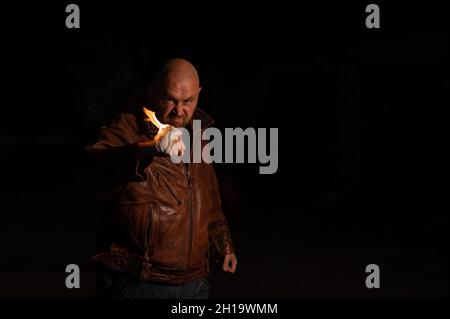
(363, 138)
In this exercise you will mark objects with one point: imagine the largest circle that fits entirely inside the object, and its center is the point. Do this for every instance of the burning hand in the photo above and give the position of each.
(169, 138)
(169, 141)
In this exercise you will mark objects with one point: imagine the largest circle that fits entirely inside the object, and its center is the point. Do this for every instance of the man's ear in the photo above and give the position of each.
(199, 89)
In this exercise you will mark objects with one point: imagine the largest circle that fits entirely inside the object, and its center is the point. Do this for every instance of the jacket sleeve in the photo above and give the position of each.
(219, 233)
(114, 159)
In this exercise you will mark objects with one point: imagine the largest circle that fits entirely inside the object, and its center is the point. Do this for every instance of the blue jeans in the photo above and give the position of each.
(113, 284)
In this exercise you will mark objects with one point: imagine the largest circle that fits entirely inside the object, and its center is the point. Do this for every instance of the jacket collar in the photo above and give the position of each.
(205, 119)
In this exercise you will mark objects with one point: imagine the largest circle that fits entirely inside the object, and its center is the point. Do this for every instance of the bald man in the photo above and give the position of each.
(161, 221)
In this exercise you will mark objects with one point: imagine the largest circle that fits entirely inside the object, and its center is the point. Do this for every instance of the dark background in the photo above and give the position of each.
(363, 139)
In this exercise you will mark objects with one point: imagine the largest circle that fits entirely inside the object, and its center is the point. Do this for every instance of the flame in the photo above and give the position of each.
(151, 117)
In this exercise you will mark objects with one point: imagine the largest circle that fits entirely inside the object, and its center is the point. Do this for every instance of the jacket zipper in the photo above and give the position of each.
(190, 218)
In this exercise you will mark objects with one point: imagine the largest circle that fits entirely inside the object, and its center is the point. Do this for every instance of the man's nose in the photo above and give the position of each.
(178, 110)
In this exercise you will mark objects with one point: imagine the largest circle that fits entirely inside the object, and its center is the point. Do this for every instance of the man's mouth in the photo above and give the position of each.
(176, 120)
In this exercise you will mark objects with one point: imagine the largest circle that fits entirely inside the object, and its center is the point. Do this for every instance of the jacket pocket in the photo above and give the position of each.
(164, 183)
(152, 229)
(137, 223)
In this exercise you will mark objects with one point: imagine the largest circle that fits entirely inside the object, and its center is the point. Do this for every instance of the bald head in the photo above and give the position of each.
(177, 70)
(176, 88)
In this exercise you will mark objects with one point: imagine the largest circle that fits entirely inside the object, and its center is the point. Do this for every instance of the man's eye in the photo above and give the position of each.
(168, 100)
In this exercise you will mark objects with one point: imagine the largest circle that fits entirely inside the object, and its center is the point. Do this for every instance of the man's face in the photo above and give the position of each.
(176, 101)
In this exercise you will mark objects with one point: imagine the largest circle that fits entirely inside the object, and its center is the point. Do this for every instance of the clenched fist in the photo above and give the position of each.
(169, 140)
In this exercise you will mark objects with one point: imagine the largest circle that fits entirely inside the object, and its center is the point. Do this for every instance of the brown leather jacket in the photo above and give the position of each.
(160, 220)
